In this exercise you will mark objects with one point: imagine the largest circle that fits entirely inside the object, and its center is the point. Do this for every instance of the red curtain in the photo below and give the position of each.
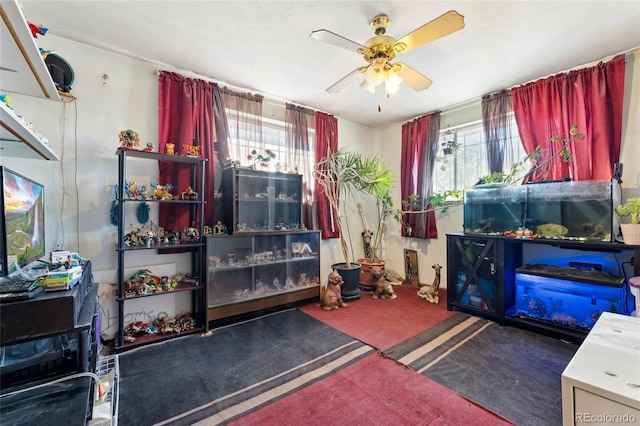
(326, 142)
(591, 98)
(416, 152)
(185, 117)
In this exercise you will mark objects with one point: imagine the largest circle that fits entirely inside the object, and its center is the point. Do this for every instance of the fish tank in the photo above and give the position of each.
(581, 211)
(493, 209)
(565, 296)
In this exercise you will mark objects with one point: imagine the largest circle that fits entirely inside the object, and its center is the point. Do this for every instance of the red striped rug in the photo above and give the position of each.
(372, 391)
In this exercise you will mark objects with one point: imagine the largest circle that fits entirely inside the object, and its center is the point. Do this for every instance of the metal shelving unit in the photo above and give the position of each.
(196, 167)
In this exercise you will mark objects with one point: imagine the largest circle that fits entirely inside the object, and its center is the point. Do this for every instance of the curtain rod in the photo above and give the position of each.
(268, 99)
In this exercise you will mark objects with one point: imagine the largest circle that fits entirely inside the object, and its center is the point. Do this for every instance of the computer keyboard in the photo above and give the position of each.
(17, 286)
(21, 295)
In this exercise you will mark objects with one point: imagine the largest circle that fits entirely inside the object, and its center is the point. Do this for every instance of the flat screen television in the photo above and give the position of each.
(22, 225)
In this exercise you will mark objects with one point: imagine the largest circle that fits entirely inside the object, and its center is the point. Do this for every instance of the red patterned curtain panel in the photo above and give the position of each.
(592, 99)
(185, 117)
(326, 143)
(419, 147)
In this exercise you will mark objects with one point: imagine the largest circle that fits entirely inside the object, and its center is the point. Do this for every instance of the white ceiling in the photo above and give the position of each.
(264, 46)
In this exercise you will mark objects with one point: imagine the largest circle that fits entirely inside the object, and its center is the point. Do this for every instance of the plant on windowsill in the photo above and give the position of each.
(515, 174)
(630, 231)
(437, 202)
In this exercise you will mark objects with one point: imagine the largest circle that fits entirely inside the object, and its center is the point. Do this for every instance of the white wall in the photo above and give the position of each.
(79, 189)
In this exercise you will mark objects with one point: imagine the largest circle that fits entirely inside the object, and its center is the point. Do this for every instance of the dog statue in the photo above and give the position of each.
(430, 292)
(382, 288)
(330, 294)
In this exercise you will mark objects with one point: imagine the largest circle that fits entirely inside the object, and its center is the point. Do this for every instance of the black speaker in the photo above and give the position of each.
(61, 72)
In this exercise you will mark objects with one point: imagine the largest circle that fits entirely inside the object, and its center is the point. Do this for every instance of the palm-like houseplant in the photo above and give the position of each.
(343, 173)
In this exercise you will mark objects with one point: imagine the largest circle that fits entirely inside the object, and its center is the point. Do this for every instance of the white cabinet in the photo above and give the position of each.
(601, 384)
(22, 71)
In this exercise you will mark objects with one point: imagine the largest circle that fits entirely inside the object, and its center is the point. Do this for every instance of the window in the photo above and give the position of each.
(269, 136)
(467, 161)
(242, 142)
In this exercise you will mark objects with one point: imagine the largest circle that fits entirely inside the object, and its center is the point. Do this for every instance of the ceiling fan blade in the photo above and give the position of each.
(346, 80)
(443, 25)
(411, 77)
(336, 40)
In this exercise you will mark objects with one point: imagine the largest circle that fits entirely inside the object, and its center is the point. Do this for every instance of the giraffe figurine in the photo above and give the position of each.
(430, 292)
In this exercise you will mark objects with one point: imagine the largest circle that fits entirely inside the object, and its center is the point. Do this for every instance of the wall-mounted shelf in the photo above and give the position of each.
(18, 140)
(23, 71)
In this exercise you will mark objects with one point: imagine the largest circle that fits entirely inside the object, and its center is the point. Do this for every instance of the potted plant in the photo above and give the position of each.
(373, 247)
(341, 174)
(630, 231)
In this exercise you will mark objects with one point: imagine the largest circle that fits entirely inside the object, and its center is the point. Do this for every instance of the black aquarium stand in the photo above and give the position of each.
(481, 272)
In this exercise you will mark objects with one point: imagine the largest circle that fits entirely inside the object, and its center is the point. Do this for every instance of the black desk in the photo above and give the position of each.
(49, 313)
(50, 336)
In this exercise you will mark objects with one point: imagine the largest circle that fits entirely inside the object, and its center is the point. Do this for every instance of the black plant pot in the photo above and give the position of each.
(351, 278)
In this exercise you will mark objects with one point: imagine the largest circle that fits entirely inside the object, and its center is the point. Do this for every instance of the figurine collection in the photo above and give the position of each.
(160, 325)
(143, 283)
(157, 236)
(129, 139)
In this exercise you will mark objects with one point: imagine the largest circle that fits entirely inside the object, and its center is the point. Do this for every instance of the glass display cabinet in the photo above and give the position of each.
(246, 273)
(258, 200)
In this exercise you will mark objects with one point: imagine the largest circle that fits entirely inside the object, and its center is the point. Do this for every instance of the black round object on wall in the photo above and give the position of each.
(61, 72)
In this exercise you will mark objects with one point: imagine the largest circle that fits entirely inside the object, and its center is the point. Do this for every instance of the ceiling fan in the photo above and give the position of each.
(380, 50)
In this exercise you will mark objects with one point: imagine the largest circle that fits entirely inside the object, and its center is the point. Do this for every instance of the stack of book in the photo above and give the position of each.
(63, 279)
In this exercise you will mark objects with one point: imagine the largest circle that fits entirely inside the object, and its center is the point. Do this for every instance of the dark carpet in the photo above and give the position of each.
(233, 371)
(513, 372)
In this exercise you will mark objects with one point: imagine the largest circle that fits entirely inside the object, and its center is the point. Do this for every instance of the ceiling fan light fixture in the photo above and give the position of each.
(392, 81)
(380, 50)
(375, 74)
(369, 87)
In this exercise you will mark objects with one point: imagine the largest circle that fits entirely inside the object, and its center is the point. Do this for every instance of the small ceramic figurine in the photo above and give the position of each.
(192, 151)
(382, 288)
(430, 292)
(129, 139)
(189, 194)
(330, 296)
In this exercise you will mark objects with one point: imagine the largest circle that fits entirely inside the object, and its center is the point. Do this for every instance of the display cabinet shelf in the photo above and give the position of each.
(247, 273)
(194, 245)
(257, 201)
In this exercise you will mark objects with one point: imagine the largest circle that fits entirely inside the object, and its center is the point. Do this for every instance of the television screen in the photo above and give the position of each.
(23, 223)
